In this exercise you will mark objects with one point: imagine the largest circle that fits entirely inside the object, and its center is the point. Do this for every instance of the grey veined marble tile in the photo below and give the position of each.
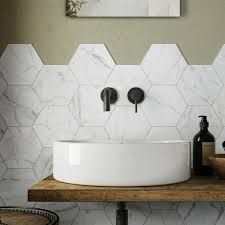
(124, 123)
(194, 213)
(219, 142)
(164, 64)
(3, 168)
(91, 64)
(20, 106)
(55, 84)
(219, 106)
(219, 63)
(3, 126)
(164, 106)
(91, 205)
(163, 133)
(3, 85)
(92, 217)
(20, 147)
(200, 84)
(20, 64)
(87, 106)
(55, 123)
(14, 186)
(137, 212)
(125, 77)
(67, 211)
(92, 133)
(43, 165)
(164, 217)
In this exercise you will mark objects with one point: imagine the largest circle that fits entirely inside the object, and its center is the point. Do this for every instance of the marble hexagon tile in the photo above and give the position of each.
(20, 64)
(20, 106)
(86, 217)
(189, 122)
(219, 105)
(219, 64)
(92, 64)
(125, 77)
(3, 167)
(164, 217)
(92, 133)
(200, 84)
(55, 123)
(3, 126)
(67, 211)
(206, 213)
(164, 64)
(164, 106)
(124, 123)
(219, 142)
(55, 84)
(20, 147)
(3, 85)
(44, 163)
(87, 106)
(138, 212)
(163, 133)
(14, 186)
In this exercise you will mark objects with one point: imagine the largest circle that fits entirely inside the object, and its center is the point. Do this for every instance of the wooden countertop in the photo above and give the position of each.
(196, 189)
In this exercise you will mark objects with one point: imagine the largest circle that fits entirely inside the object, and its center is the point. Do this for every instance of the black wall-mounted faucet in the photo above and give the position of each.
(136, 96)
(108, 96)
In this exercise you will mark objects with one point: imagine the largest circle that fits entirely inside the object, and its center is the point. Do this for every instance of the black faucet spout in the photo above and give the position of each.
(108, 96)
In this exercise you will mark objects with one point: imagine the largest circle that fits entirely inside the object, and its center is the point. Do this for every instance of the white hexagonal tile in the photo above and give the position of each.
(20, 64)
(43, 165)
(124, 123)
(219, 106)
(20, 106)
(125, 77)
(164, 217)
(92, 64)
(14, 187)
(219, 64)
(1, 202)
(3, 126)
(87, 106)
(199, 213)
(163, 205)
(92, 133)
(189, 123)
(92, 217)
(137, 212)
(164, 64)
(67, 211)
(3, 168)
(55, 84)
(200, 84)
(91, 205)
(55, 123)
(20, 147)
(164, 106)
(3, 85)
(163, 133)
(219, 142)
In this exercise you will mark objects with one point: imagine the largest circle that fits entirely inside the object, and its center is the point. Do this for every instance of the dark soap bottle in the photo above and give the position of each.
(203, 148)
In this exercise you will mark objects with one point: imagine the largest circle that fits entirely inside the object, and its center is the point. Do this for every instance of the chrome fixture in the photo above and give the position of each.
(108, 96)
(136, 96)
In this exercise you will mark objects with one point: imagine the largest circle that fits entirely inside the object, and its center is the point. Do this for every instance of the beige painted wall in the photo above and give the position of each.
(200, 32)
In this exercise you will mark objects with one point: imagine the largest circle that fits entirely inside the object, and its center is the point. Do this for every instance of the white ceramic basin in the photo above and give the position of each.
(112, 163)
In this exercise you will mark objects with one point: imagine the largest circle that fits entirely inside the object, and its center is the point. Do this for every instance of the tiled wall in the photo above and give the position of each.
(43, 103)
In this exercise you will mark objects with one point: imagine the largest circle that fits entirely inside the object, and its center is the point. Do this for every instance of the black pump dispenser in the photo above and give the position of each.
(204, 122)
(203, 148)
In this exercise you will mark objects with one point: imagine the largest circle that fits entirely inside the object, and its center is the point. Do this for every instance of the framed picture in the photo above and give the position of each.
(123, 8)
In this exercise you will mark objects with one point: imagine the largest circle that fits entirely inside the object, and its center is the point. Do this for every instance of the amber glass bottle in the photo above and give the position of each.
(203, 148)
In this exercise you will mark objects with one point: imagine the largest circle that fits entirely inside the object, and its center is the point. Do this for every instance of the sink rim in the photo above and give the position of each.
(99, 141)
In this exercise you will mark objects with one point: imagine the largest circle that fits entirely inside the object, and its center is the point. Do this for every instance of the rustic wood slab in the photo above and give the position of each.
(196, 189)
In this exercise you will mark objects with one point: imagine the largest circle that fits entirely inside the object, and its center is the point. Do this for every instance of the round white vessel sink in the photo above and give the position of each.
(127, 163)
